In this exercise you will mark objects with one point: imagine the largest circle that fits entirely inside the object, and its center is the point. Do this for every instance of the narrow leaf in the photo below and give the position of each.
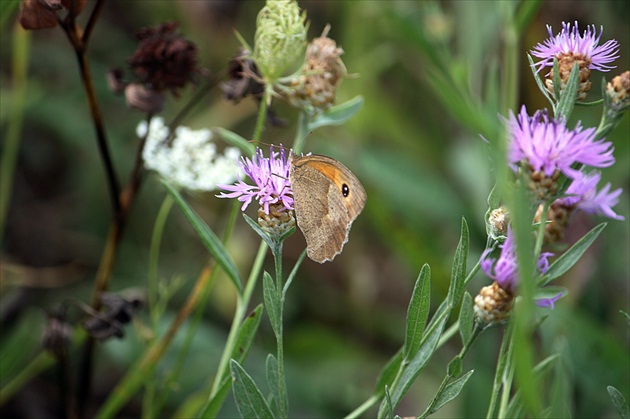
(388, 374)
(262, 233)
(466, 318)
(236, 140)
(619, 401)
(569, 95)
(271, 370)
(571, 256)
(451, 391)
(539, 82)
(211, 409)
(458, 273)
(389, 412)
(208, 238)
(249, 400)
(270, 296)
(246, 334)
(337, 114)
(417, 364)
(418, 312)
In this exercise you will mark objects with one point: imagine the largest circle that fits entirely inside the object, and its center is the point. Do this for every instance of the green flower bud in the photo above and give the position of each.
(280, 38)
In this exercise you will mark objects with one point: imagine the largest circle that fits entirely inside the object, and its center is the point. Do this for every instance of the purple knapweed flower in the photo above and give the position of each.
(583, 47)
(547, 145)
(504, 269)
(271, 181)
(582, 194)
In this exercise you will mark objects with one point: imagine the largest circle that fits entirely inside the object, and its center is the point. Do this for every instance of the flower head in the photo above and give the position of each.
(191, 159)
(584, 47)
(548, 147)
(583, 195)
(271, 181)
(569, 48)
(504, 269)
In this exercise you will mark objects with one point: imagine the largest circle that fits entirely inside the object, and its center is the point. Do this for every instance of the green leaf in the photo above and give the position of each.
(249, 400)
(458, 273)
(208, 238)
(569, 95)
(388, 374)
(417, 364)
(455, 366)
(571, 256)
(271, 372)
(466, 318)
(389, 413)
(539, 82)
(236, 140)
(337, 115)
(271, 242)
(451, 391)
(418, 312)
(272, 302)
(211, 409)
(293, 273)
(246, 334)
(619, 401)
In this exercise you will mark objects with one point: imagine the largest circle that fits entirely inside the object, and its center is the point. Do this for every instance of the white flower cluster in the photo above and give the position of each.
(190, 160)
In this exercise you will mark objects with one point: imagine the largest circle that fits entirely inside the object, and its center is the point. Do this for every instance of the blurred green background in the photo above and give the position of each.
(418, 154)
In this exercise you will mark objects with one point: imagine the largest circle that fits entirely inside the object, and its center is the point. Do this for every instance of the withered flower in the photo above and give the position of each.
(42, 14)
(164, 59)
(244, 79)
(117, 311)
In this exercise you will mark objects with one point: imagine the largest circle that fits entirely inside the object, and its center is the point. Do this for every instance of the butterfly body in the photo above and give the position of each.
(327, 199)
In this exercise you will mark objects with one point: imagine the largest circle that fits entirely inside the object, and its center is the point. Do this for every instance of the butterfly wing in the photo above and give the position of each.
(327, 199)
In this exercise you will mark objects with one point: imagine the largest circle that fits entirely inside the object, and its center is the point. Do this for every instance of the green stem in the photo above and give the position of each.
(372, 401)
(499, 376)
(19, 70)
(154, 252)
(262, 114)
(541, 230)
(241, 310)
(301, 133)
(449, 376)
(282, 394)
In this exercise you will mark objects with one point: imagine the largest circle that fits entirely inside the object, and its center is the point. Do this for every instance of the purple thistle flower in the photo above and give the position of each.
(583, 195)
(585, 47)
(271, 181)
(504, 269)
(547, 145)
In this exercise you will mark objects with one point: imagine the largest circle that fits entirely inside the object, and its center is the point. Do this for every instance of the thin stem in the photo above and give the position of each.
(241, 310)
(138, 374)
(156, 240)
(301, 133)
(373, 400)
(499, 376)
(282, 395)
(262, 114)
(11, 146)
(89, 27)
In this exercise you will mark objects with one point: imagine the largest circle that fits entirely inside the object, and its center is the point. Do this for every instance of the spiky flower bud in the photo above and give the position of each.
(618, 92)
(280, 38)
(277, 222)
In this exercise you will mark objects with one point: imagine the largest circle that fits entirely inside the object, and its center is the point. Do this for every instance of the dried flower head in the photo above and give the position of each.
(57, 335)
(190, 160)
(42, 14)
(280, 38)
(315, 87)
(493, 304)
(117, 311)
(569, 47)
(164, 60)
(545, 147)
(498, 222)
(244, 78)
(618, 92)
